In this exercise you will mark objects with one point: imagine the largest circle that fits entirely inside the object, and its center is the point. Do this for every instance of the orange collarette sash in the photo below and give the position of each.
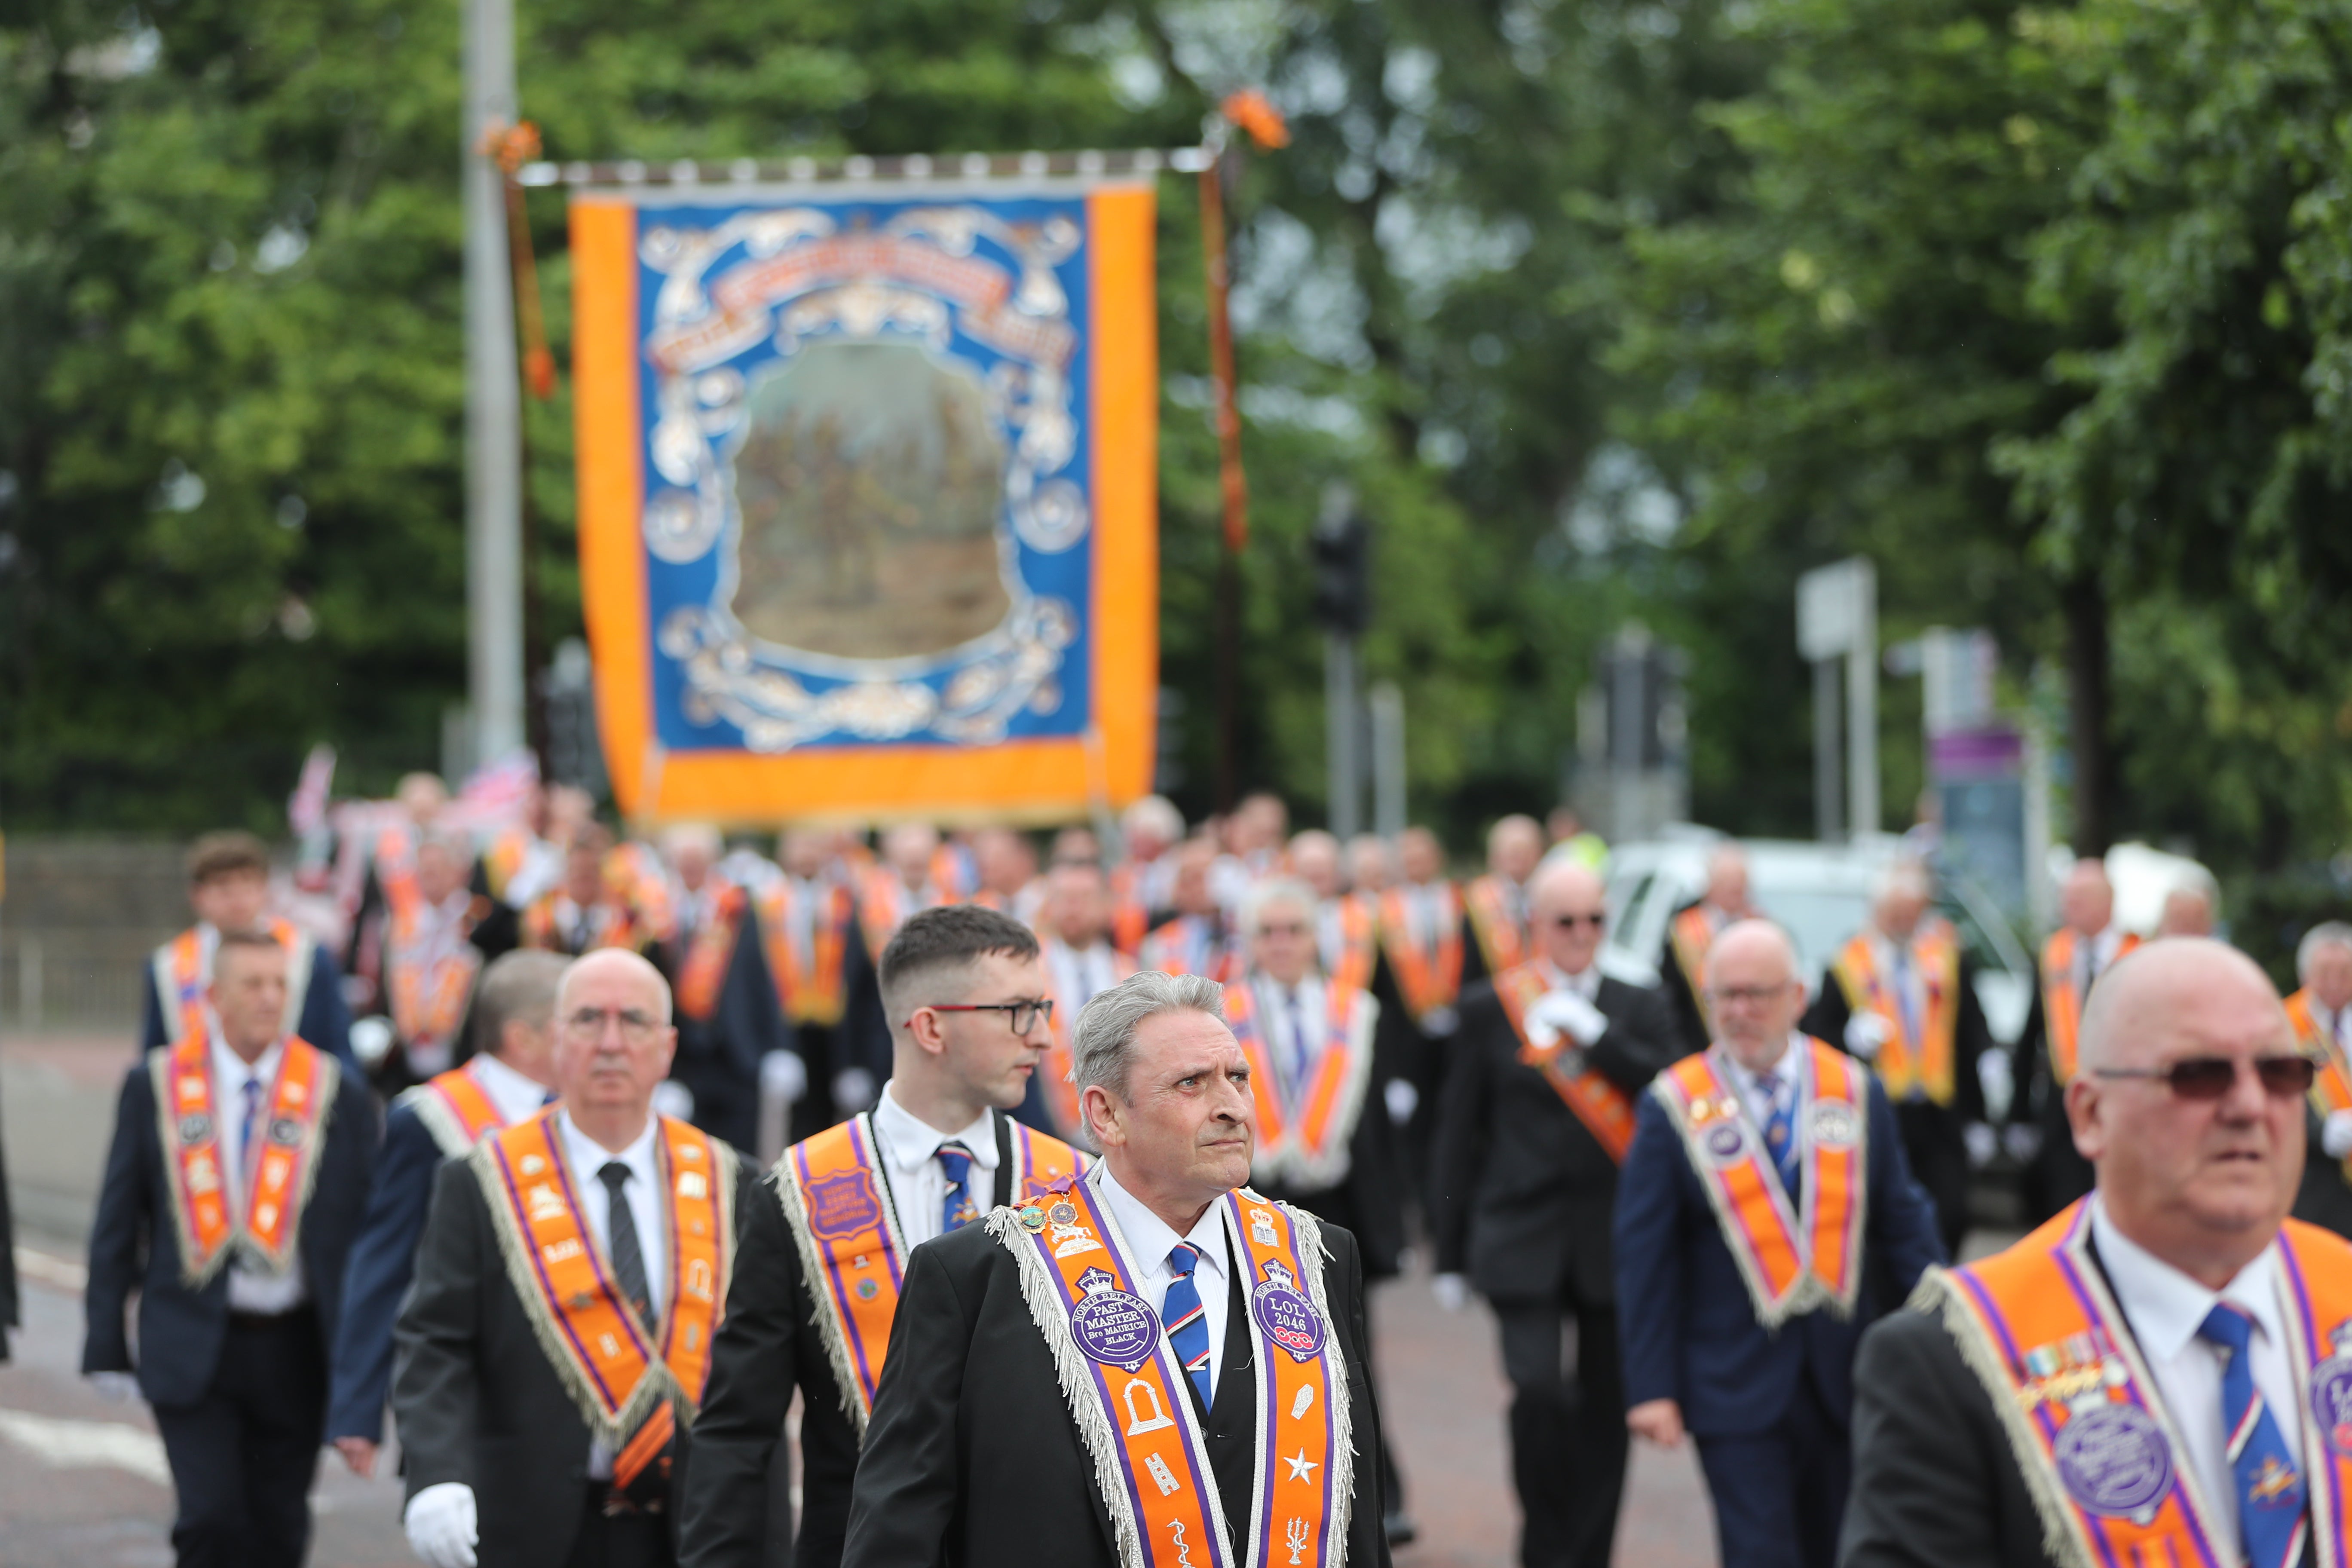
(710, 952)
(455, 1109)
(1792, 1261)
(1359, 938)
(1904, 1064)
(2331, 1086)
(1138, 1418)
(2061, 1008)
(428, 992)
(1605, 1110)
(1309, 1151)
(1691, 934)
(1428, 979)
(810, 993)
(1502, 940)
(837, 1201)
(2086, 1423)
(212, 1214)
(624, 1373)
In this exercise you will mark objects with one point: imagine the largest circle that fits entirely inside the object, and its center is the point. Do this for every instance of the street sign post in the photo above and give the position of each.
(1837, 617)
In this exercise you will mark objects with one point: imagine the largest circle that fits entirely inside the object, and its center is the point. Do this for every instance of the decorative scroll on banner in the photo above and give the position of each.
(867, 494)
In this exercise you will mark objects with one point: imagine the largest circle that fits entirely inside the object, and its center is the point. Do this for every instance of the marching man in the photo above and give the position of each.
(828, 1234)
(2321, 1014)
(1497, 903)
(1691, 934)
(1149, 1366)
(572, 1271)
(2078, 952)
(1763, 1206)
(1080, 964)
(228, 886)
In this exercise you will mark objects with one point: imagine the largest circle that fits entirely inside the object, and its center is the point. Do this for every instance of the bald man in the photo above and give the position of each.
(572, 1271)
(1495, 905)
(2157, 1374)
(1764, 1218)
(2084, 947)
(1550, 1058)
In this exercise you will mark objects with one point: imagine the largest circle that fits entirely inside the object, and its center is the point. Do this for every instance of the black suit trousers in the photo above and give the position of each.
(621, 1540)
(243, 1456)
(1568, 1431)
(1780, 1494)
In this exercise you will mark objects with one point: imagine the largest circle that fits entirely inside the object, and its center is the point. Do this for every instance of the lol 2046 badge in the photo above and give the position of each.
(1284, 1314)
(1112, 1326)
(2331, 1402)
(2116, 1461)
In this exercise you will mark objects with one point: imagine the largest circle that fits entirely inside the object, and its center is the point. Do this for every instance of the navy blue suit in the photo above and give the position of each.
(240, 1400)
(1769, 1409)
(326, 1018)
(375, 1280)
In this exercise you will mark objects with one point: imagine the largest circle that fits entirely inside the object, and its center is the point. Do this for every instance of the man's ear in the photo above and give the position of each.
(1099, 1113)
(2082, 1117)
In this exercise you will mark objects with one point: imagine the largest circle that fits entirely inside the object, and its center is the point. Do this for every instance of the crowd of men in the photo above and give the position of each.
(1083, 1153)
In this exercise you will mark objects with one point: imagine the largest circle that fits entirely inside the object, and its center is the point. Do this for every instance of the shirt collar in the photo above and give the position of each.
(1786, 1072)
(2166, 1306)
(1149, 1237)
(508, 1089)
(1585, 982)
(588, 1156)
(909, 1143)
(230, 1072)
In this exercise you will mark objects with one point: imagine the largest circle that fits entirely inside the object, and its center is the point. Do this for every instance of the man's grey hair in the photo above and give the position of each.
(518, 986)
(1271, 892)
(1102, 1047)
(2326, 933)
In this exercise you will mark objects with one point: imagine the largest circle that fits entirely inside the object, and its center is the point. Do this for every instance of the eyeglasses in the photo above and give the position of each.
(590, 1024)
(2210, 1077)
(1023, 1015)
(1281, 927)
(1725, 995)
(1569, 923)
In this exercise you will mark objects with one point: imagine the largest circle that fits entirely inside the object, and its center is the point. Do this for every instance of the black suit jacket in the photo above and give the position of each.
(1688, 1330)
(768, 1346)
(718, 1056)
(972, 1460)
(476, 1400)
(1522, 1194)
(134, 1244)
(375, 1279)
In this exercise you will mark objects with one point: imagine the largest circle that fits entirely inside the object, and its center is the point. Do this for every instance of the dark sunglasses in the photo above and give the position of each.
(1569, 923)
(2210, 1077)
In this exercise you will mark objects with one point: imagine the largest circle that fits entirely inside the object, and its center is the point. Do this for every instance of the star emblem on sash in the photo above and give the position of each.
(1302, 1468)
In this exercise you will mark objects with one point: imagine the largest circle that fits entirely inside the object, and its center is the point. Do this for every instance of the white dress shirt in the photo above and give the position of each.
(1757, 1090)
(249, 1289)
(515, 1097)
(1150, 1240)
(910, 1147)
(2165, 1307)
(586, 1157)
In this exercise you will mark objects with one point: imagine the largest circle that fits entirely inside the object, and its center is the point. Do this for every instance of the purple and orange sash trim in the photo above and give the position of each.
(1793, 1259)
(624, 1373)
(837, 1201)
(1135, 1413)
(259, 1211)
(2099, 1452)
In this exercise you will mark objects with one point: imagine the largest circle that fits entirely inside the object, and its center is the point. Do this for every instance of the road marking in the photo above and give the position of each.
(62, 1444)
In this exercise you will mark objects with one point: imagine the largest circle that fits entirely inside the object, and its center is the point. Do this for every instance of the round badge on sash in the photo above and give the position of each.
(195, 1128)
(286, 1131)
(1286, 1315)
(2331, 1402)
(1725, 1143)
(2115, 1460)
(1832, 1124)
(1110, 1325)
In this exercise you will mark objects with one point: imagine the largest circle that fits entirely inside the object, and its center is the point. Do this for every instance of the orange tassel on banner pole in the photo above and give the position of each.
(511, 147)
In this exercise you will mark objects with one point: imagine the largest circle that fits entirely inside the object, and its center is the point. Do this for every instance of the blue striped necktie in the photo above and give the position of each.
(1780, 1135)
(247, 1154)
(2271, 1515)
(1187, 1320)
(956, 1210)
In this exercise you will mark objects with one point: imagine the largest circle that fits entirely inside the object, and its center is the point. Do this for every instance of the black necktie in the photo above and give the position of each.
(621, 1226)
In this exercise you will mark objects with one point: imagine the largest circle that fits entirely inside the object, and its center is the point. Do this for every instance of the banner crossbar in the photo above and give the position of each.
(863, 170)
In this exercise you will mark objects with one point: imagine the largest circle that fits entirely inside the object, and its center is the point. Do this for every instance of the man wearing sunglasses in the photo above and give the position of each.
(1550, 1056)
(2158, 1373)
(827, 1234)
(1765, 1217)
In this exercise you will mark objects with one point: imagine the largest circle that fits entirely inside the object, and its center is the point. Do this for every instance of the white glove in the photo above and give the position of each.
(784, 1075)
(115, 1387)
(1865, 1033)
(1982, 1142)
(853, 1088)
(2335, 1135)
(1559, 1012)
(1451, 1291)
(541, 870)
(1403, 1098)
(672, 1099)
(1998, 1075)
(440, 1522)
(2021, 1141)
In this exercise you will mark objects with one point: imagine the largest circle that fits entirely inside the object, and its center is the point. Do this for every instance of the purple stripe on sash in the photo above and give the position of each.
(547, 1286)
(833, 1284)
(2311, 1354)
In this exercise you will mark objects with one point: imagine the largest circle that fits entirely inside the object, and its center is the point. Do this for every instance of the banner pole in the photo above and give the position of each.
(1225, 624)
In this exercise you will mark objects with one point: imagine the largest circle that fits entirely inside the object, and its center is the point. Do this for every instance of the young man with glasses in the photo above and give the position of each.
(2158, 1373)
(1535, 1116)
(1765, 1217)
(828, 1234)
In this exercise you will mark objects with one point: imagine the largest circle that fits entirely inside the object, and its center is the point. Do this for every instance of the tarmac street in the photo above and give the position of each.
(83, 1482)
